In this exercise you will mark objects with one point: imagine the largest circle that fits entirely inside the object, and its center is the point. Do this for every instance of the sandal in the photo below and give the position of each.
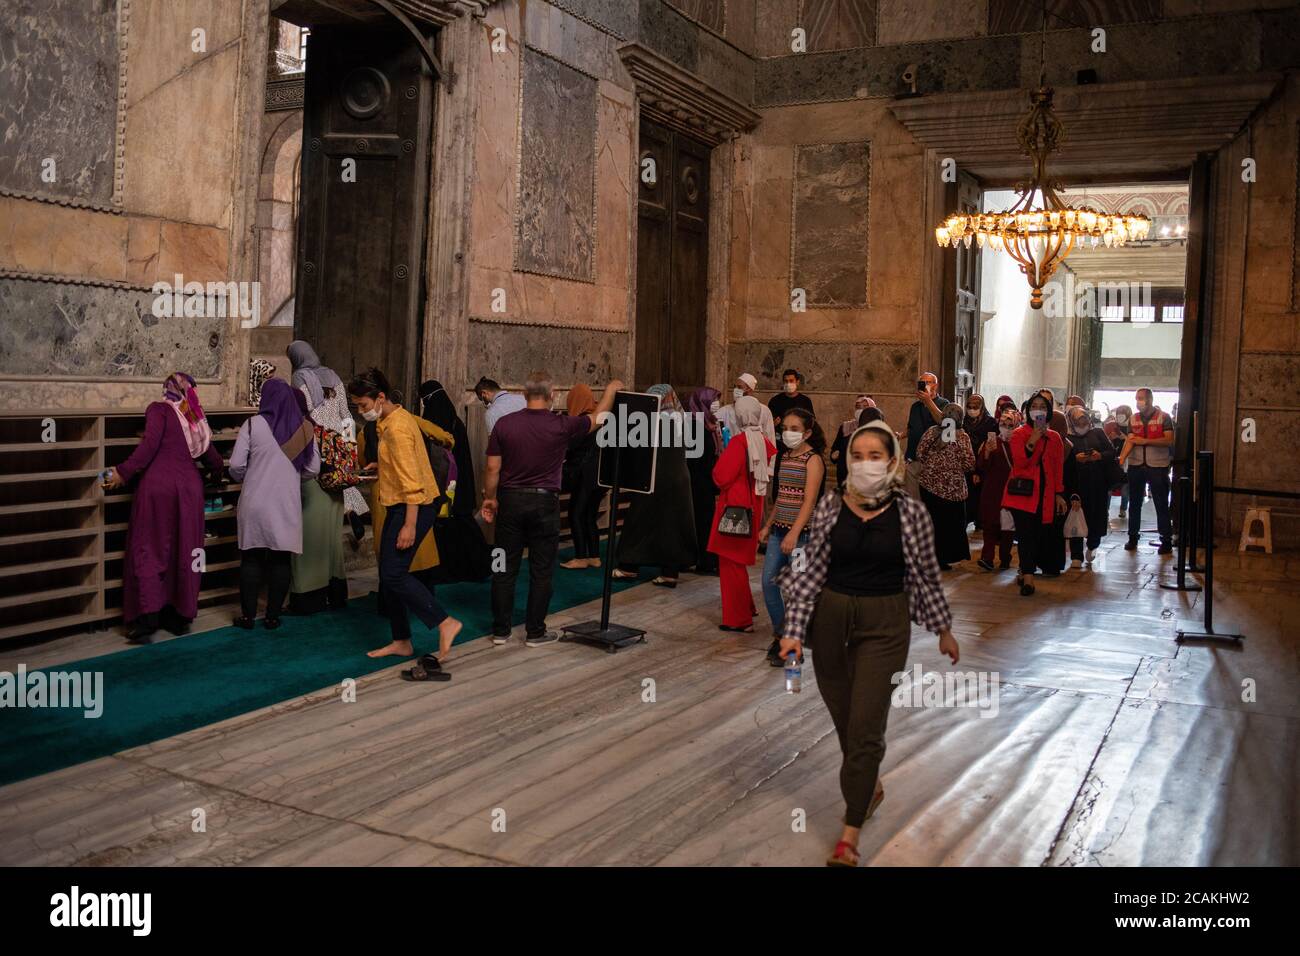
(619, 573)
(844, 854)
(422, 672)
(662, 582)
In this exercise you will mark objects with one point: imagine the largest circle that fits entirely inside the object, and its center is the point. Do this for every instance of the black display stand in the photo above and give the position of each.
(1206, 461)
(602, 633)
(1186, 537)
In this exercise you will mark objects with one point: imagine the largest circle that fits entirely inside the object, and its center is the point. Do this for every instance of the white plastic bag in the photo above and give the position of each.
(1076, 525)
(1008, 523)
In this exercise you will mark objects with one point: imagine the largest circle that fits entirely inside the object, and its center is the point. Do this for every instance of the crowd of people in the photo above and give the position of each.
(855, 534)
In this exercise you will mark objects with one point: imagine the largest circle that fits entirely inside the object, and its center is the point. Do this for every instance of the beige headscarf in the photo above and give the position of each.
(749, 419)
(895, 485)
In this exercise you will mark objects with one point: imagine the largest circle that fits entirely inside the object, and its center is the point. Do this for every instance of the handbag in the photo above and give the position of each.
(338, 460)
(736, 522)
(1076, 524)
(1020, 487)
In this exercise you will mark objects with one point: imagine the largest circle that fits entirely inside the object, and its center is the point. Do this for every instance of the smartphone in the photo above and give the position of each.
(920, 385)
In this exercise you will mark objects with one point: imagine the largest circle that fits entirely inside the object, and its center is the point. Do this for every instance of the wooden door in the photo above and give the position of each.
(672, 258)
(365, 169)
(966, 300)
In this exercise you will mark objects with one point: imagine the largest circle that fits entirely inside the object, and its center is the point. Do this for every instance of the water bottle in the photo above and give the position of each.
(793, 674)
(726, 435)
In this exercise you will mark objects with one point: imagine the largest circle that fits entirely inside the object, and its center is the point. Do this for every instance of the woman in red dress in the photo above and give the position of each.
(741, 474)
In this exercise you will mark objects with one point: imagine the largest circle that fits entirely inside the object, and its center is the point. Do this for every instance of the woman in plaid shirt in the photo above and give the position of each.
(870, 570)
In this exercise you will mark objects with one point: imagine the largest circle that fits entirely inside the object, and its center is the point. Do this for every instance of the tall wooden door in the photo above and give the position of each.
(963, 298)
(365, 170)
(672, 258)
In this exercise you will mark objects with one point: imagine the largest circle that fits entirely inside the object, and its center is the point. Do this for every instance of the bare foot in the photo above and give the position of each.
(575, 564)
(593, 562)
(447, 632)
(395, 649)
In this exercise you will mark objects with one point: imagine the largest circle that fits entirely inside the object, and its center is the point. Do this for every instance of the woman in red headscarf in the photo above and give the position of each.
(159, 583)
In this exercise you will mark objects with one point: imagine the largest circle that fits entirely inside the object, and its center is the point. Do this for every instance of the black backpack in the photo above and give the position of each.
(443, 463)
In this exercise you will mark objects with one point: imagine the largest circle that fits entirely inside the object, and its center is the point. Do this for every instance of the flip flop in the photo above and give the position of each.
(420, 673)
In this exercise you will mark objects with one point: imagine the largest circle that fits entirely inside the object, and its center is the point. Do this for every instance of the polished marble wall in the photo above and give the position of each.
(828, 254)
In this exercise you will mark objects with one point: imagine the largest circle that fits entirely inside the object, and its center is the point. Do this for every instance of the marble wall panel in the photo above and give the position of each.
(509, 353)
(556, 221)
(1258, 464)
(581, 45)
(982, 63)
(100, 331)
(772, 25)
(828, 256)
(58, 97)
(1268, 379)
(1016, 16)
(713, 59)
(838, 24)
(905, 21)
(851, 367)
(707, 13)
(618, 17)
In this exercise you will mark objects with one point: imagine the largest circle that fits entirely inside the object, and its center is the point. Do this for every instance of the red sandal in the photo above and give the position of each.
(845, 854)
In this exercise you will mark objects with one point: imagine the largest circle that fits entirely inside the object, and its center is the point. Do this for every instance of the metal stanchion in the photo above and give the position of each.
(1206, 460)
(1186, 521)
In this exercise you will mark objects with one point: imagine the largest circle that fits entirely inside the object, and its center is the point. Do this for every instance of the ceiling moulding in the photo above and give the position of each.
(682, 101)
(1136, 128)
(326, 12)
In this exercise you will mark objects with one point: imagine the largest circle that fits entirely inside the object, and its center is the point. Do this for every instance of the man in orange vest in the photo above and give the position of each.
(1151, 442)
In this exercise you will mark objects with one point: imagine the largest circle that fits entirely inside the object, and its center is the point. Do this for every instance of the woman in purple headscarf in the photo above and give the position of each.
(274, 453)
(705, 402)
(159, 585)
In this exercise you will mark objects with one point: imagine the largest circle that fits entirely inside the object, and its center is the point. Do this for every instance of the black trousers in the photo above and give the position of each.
(258, 566)
(403, 592)
(525, 519)
(584, 511)
(1041, 546)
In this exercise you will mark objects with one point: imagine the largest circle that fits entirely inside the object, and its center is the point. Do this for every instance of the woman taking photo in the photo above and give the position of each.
(871, 571)
(274, 455)
(993, 465)
(159, 585)
(798, 485)
(979, 425)
(1087, 480)
(1034, 494)
(408, 492)
(946, 456)
(742, 475)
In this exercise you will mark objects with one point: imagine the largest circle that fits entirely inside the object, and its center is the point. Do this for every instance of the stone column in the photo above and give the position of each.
(446, 324)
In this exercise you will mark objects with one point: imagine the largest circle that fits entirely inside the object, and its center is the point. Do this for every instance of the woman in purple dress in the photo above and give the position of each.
(159, 585)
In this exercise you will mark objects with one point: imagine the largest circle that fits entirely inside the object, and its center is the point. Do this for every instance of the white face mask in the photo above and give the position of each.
(737, 394)
(868, 478)
(371, 416)
(792, 439)
(790, 387)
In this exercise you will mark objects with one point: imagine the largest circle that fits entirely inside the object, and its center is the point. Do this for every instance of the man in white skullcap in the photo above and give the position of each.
(745, 385)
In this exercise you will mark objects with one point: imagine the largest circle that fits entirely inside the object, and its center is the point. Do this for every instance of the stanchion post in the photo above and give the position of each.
(1185, 522)
(1206, 460)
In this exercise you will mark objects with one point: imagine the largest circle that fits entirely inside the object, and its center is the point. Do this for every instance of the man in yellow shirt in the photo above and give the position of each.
(407, 490)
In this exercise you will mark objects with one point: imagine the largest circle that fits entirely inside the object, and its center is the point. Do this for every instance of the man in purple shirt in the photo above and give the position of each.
(525, 455)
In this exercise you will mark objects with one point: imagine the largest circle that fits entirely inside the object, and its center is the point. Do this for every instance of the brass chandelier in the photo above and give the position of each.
(1039, 229)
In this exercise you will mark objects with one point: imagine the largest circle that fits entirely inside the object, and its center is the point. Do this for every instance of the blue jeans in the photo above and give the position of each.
(1139, 476)
(773, 562)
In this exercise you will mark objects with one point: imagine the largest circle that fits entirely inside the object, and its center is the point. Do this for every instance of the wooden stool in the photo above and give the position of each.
(1265, 540)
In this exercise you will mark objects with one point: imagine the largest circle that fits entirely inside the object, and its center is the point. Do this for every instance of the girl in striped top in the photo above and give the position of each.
(798, 484)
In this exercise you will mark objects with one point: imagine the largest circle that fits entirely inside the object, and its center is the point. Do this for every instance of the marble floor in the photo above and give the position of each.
(1110, 744)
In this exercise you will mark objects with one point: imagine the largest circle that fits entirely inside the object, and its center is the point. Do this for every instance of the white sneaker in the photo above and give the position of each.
(550, 637)
(500, 639)
(1091, 553)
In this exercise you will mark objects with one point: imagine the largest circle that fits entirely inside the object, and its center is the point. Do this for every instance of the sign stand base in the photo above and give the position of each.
(612, 637)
